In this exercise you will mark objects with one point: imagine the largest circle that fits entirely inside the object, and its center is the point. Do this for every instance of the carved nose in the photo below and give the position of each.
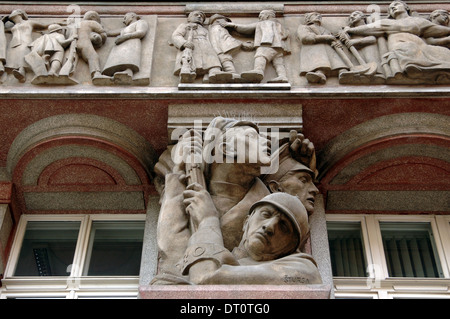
(269, 226)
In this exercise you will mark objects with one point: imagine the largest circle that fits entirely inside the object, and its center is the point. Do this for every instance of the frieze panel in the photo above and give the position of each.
(395, 46)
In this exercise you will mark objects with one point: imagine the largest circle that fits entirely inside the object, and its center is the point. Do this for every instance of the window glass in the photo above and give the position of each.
(48, 249)
(115, 248)
(410, 250)
(346, 249)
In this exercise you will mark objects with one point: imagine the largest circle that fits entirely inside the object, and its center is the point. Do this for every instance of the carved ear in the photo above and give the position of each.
(244, 228)
(275, 187)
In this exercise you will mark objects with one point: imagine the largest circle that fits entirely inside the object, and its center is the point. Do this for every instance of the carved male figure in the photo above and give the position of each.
(233, 185)
(196, 56)
(269, 252)
(272, 44)
(408, 53)
(125, 57)
(293, 177)
(91, 35)
(439, 17)
(226, 46)
(364, 47)
(318, 56)
(47, 53)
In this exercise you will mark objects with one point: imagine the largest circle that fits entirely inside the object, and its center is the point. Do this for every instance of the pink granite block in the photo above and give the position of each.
(235, 292)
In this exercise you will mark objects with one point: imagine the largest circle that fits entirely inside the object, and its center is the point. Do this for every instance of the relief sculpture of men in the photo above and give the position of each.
(196, 56)
(318, 57)
(124, 59)
(269, 251)
(364, 48)
(226, 46)
(47, 55)
(19, 46)
(408, 56)
(271, 41)
(221, 218)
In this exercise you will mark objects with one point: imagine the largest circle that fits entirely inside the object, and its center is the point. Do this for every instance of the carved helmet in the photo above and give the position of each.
(216, 17)
(293, 208)
(54, 27)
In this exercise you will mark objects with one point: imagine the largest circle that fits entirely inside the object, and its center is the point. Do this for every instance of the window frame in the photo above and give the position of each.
(74, 285)
(378, 281)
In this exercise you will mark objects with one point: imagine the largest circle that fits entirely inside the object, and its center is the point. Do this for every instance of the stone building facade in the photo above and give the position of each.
(80, 144)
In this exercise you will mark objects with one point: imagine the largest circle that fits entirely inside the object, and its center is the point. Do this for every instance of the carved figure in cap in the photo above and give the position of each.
(272, 44)
(47, 54)
(318, 57)
(196, 56)
(226, 46)
(293, 177)
(124, 58)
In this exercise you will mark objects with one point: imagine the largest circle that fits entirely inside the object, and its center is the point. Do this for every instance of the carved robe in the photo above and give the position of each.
(317, 56)
(204, 55)
(126, 55)
(19, 45)
(414, 55)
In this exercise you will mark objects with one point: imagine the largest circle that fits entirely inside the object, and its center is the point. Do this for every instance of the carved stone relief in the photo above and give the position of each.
(398, 46)
(51, 49)
(223, 221)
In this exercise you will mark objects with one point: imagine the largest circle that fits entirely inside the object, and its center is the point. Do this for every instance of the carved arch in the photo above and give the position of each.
(80, 163)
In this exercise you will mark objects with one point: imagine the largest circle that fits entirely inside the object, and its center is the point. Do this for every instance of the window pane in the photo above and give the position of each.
(410, 250)
(115, 248)
(346, 249)
(48, 249)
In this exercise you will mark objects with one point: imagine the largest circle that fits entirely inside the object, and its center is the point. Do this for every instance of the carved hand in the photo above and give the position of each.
(188, 150)
(302, 149)
(188, 45)
(199, 204)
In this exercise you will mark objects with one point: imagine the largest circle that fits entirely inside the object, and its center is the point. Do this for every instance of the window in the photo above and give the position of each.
(75, 256)
(405, 256)
(346, 249)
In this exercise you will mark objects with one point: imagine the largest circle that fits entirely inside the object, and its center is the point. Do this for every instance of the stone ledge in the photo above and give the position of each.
(297, 92)
(235, 292)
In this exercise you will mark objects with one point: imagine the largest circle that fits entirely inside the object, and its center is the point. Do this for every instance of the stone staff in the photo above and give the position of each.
(193, 168)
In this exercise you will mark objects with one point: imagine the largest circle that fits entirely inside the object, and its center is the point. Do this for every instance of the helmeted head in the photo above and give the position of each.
(217, 17)
(277, 226)
(54, 28)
